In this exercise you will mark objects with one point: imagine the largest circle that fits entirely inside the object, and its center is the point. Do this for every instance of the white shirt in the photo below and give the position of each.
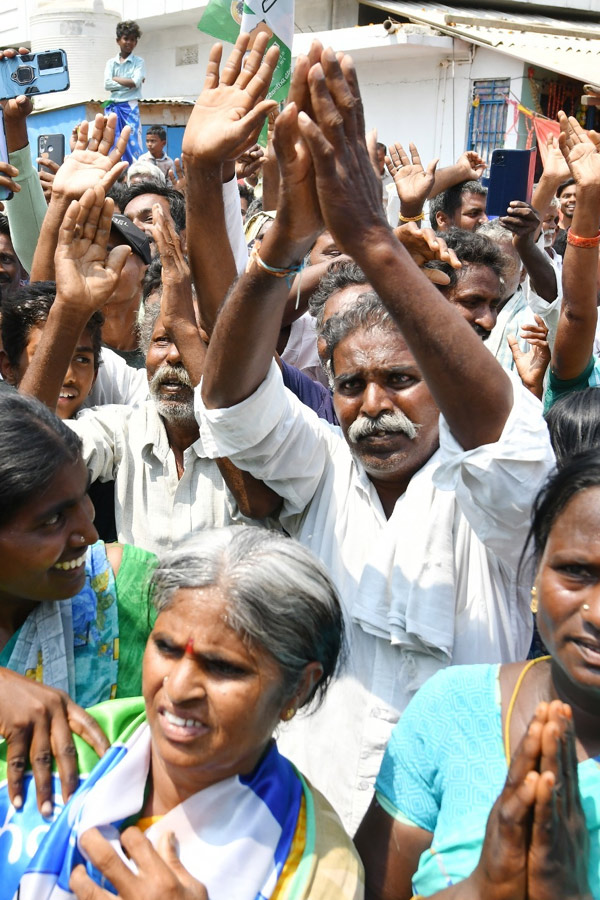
(117, 382)
(482, 497)
(153, 507)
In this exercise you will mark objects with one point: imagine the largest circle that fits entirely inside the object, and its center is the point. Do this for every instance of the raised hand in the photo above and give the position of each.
(501, 873)
(579, 151)
(7, 173)
(532, 365)
(160, 874)
(557, 863)
(177, 177)
(92, 162)
(36, 722)
(349, 192)
(413, 182)
(176, 278)
(47, 177)
(472, 164)
(521, 220)
(424, 244)
(555, 165)
(231, 110)
(248, 165)
(85, 275)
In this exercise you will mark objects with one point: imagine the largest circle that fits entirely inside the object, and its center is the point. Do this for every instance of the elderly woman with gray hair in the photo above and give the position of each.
(249, 631)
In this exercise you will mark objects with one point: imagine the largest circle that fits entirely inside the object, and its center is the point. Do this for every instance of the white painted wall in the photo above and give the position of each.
(419, 99)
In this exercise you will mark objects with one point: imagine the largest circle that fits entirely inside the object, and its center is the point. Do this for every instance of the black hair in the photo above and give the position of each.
(574, 424)
(472, 248)
(255, 206)
(152, 279)
(246, 192)
(129, 28)
(34, 445)
(159, 131)
(176, 201)
(450, 200)
(29, 307)
(366, 314)
(116, 193)
(4, 226)
(565, 184)
(579, 474)
(339, 275)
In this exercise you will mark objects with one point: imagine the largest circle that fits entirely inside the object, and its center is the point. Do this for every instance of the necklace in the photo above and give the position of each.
(513, 700)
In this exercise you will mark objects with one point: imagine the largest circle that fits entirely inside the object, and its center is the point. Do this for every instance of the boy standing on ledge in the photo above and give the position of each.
(123, 77)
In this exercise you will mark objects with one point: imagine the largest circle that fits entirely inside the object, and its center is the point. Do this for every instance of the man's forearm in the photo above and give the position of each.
(211, 259)
(539, 268)
(46, 371)
(245, 336)
(472, 391)
(43, 260)
(576, 328)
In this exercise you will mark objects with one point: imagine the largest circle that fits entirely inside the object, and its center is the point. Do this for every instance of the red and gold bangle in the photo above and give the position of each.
(586, 243)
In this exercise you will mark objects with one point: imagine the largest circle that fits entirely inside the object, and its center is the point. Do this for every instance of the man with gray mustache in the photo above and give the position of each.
(420, 517)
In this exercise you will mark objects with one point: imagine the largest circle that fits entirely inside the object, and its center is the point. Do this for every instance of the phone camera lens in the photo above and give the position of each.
(23, 75)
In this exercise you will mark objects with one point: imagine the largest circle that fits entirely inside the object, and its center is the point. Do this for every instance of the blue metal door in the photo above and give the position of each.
(487, 120)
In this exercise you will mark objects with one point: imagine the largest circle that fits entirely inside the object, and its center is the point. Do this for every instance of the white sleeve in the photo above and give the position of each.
(496, 484)
(117, 382)
(235, 225)
(102, 435)
(273, 436)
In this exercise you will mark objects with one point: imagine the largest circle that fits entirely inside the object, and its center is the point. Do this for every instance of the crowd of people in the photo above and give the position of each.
(299, 508)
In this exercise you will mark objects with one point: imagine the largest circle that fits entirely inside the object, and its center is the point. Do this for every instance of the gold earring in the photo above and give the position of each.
(534, 600)
(289, 714)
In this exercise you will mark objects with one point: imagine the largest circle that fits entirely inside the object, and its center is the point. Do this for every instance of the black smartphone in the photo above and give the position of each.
(51, 146)
(511, 178)
(5, 193)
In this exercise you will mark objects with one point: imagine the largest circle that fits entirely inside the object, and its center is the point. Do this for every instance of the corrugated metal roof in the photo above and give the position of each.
(571, 48)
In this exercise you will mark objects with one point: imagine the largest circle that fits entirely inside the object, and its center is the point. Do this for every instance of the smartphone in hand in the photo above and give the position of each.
(511, 178)
(34, 73)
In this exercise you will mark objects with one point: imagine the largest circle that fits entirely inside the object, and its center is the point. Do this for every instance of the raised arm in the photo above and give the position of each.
(577, 324)
(91, 163)
(85, 277)
(468, 167)
(524, 223)
(225, 121)
(469, 386)
(249, 323)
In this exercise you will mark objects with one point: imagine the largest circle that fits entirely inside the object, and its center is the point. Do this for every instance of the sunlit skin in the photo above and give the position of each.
(569, 577)
(79, 378)
(375, 372)
(45, 531)
(229, 693)
(476, 295)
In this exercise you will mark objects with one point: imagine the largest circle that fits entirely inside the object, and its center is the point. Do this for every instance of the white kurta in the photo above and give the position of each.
(435, 584)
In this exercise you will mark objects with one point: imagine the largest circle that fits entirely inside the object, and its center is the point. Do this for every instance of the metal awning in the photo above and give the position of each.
(571, 48)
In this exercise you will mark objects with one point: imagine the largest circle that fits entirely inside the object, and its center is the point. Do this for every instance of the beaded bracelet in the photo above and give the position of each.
(586, 243)
(278, 272)
(418, 218)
